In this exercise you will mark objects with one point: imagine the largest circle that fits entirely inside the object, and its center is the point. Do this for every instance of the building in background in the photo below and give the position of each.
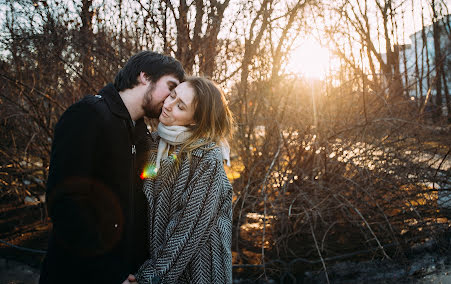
(419, 60)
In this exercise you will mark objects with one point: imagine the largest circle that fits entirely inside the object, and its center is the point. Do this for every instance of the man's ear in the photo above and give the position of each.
(143, 79)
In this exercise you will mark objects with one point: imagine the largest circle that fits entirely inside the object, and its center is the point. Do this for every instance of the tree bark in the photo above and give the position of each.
(438, 61)
(86, 37)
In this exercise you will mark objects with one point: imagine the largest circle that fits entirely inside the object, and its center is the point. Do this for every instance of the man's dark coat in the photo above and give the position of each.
(94, 193)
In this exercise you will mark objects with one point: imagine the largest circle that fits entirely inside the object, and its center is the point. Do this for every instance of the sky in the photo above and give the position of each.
(313, 59)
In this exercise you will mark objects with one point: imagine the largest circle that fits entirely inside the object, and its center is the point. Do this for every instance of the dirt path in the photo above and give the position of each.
(13, 272)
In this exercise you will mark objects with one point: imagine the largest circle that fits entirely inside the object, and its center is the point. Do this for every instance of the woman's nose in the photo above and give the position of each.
(167, 105)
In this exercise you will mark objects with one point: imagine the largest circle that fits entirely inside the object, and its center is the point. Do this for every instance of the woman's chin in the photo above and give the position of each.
(162, 120)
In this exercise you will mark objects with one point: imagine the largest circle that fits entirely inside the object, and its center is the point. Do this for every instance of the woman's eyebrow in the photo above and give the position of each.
(175, 92)
(182, 101)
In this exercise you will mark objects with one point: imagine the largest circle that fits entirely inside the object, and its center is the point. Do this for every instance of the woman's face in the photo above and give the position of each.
(178, 108)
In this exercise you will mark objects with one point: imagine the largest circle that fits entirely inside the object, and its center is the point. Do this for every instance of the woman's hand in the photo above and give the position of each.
(130, 280)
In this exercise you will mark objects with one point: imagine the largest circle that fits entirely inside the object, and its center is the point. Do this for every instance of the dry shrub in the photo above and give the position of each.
(335, 179)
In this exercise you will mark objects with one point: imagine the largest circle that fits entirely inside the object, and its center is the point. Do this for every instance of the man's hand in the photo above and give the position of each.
(130, 280)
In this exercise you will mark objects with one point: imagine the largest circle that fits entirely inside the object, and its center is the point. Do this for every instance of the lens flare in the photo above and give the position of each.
(150, 171)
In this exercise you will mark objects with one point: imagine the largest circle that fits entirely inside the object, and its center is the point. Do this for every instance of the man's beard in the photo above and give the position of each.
(150, 110)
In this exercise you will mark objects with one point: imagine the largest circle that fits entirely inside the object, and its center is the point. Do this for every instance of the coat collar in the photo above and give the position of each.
(117, 106)
(114, 101)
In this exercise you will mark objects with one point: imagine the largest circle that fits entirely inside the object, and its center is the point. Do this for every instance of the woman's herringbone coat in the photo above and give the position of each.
(190, 220)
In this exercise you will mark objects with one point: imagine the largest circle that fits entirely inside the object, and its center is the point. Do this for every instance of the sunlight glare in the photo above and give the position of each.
(309, 60)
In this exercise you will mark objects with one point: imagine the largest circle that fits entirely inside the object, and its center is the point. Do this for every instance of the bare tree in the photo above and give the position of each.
(197, 25)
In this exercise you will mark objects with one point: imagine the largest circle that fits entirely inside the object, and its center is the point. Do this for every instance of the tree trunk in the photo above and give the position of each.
(438, 61)
(86, 37)
(209, 51)
(418, 80)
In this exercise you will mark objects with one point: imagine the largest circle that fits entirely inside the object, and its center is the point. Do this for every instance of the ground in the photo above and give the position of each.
(13, 272)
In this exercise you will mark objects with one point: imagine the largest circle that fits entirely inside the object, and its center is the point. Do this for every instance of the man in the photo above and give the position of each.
(94, 193)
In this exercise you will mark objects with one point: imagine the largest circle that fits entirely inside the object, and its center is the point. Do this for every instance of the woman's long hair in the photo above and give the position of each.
(213, 118)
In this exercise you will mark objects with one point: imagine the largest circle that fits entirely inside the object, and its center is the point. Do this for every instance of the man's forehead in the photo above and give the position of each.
(171, 79)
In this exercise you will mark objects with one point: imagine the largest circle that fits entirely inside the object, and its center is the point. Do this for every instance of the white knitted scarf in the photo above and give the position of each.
(170, 135)
(176, 135)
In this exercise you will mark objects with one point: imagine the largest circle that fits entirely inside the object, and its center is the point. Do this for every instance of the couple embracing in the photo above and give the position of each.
(131, 206)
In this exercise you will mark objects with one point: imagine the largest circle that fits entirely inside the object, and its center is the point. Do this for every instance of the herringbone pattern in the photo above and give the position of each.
(190, 220)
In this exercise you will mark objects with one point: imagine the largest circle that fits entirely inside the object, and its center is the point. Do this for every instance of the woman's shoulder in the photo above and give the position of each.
(209, 153)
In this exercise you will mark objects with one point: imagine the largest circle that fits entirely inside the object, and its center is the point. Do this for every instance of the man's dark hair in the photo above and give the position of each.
(154, 65)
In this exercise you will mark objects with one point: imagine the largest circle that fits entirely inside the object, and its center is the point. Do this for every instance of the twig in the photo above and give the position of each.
(317, 247)
(366, 223)
(265, 198)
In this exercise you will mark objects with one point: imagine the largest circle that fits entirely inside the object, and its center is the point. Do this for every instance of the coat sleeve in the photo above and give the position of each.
(71, 190)
(187, 228)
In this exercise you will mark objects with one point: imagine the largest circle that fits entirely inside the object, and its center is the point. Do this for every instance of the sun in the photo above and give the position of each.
(310, 60)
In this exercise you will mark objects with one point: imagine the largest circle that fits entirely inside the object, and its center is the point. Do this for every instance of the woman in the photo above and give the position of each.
(187, 189)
